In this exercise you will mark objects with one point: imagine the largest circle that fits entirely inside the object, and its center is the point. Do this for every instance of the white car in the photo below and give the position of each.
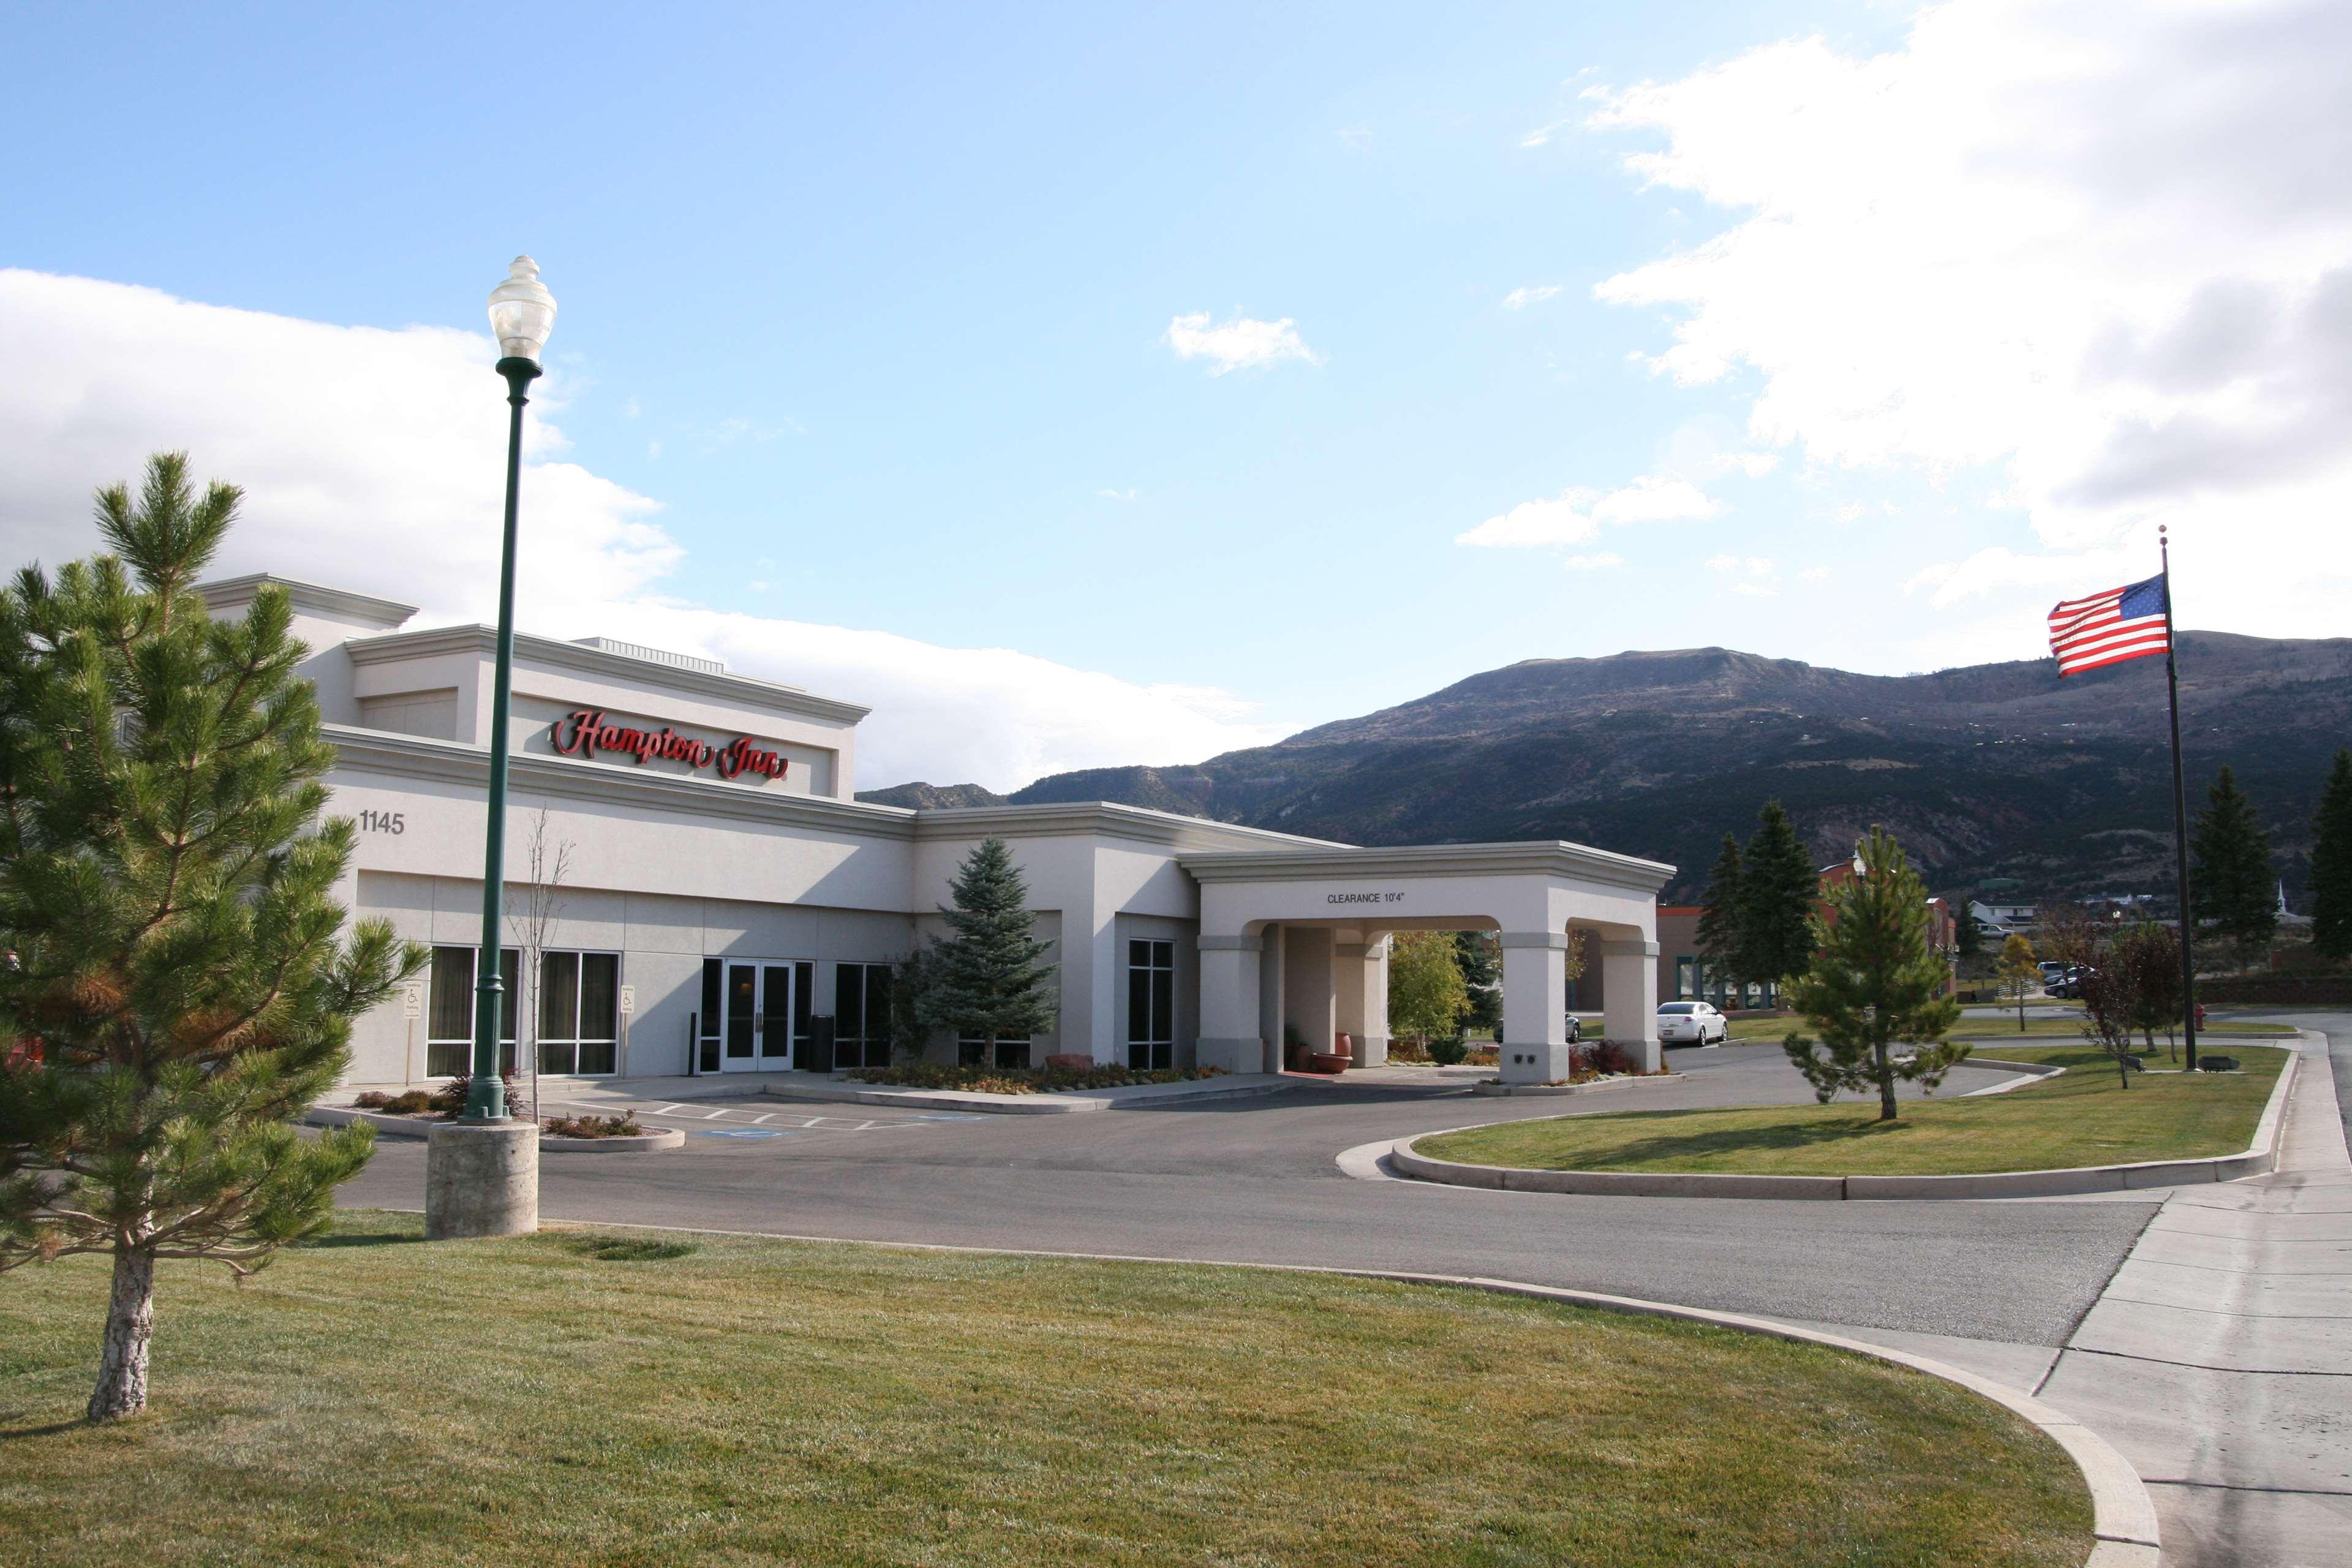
(1692, 1024)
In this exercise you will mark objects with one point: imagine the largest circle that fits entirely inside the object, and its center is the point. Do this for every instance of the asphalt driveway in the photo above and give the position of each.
(1253, 1179)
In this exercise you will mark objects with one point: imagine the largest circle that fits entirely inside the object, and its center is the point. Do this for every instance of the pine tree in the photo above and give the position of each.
(2235, 887)
(1480, 957)
(1778, 890)
(2331, 863)
(984, 978)
(1719, 914)
(166, 887)
(1967, 941)
(1876, 983)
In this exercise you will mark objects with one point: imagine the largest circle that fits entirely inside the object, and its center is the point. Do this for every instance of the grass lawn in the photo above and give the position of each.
(2085, 1118)
(580, 1397)
(2044, 1027)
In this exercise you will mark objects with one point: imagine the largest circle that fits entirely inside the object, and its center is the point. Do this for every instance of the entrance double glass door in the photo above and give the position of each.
(757, 1036)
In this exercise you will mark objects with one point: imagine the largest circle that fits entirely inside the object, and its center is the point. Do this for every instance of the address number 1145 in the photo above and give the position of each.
(382, 822)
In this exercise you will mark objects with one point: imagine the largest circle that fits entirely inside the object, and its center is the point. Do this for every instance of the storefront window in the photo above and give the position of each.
(579, 1012)
(1011, 1050)
(449, 1016)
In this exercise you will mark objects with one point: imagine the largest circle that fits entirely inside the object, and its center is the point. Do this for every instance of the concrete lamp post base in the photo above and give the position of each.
(482, 1178)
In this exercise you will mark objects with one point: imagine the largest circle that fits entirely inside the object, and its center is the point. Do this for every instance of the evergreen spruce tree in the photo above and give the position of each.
(1874, 983)
(1720, 914)
(1778, 890)
(166, 887)
(984, 976)
(1481, 960)
(2235, 887)
(1968, 940)
(2331, 863)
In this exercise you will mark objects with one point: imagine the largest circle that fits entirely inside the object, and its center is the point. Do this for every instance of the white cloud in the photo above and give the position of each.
(376, 459)
(1565, 518)
(2099, 249)
(1755, 465)
(1520, 298)
(1604, 563)
(1575, 516)
(1757, 590)
(1752, 566)
(1241, 343)
(1656, 498)
(1813, 575)
(1357, 136)
(1127, 494)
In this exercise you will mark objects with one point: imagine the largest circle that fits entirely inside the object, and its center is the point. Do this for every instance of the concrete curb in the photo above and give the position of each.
(670, 1138)
(1069, 1102)
(2260, 1159)
(410, 1127)
(1546, 1090)
(2123, 1516)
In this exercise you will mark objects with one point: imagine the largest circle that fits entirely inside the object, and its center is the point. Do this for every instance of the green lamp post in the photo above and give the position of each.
(521, 313)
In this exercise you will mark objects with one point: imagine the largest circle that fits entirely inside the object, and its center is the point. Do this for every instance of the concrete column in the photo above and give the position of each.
(1628, 998)
(1356, 1013)
(481, 1179)
(1535, 1007)
(1273, 977)
(1229, 1002)
(1307, 1002)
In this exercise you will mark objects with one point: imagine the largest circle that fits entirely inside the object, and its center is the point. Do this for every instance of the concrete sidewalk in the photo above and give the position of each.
(2219, 1360)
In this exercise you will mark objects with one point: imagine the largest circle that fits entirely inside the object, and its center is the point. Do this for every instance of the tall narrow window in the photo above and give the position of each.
(449, 1016)
(861, 1014)
(706, 1021)
(1150, 1005)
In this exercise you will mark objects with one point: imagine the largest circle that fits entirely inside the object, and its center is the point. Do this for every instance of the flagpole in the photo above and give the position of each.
(2180, 817)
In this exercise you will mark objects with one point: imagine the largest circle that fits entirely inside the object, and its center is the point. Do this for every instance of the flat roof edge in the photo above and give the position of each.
(1544, 857)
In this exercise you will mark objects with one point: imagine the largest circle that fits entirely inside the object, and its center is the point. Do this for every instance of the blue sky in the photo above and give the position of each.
(869, 314)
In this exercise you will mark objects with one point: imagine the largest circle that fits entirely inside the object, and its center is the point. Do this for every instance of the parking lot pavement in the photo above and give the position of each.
(763, 1117)
(1253, 1179)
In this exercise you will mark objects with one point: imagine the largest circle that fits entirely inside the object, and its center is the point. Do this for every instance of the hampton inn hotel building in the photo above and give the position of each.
(729, 905)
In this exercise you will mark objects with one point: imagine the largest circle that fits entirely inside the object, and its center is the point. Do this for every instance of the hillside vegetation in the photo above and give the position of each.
(1994, 771)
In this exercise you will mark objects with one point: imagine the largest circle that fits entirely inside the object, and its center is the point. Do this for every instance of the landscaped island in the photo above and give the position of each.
(2085, 1117)
(658, 1398)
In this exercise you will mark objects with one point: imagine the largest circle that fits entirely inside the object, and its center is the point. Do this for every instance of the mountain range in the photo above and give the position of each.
(1998, 778)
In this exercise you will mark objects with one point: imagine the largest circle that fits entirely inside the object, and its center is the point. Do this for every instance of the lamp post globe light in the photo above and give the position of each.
(521, 313)
(481, 1171)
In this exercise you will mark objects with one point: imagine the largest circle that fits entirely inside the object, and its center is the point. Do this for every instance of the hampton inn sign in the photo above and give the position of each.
(583, 732)
(734, 907)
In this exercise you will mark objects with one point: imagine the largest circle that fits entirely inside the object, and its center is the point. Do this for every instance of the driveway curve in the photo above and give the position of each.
(1253, 1179)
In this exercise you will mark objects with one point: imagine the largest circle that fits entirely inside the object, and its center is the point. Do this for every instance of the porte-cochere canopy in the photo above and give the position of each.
(1298, 936)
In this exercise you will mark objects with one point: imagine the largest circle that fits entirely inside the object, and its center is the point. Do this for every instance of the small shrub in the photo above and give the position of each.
(374, 1100)
(1608, 1056)
(449, 1099)
(1447, 1050)
(624, 1125)
(1484, 1056)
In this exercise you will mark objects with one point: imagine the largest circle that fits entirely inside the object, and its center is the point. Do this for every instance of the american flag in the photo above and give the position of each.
(2130, 622)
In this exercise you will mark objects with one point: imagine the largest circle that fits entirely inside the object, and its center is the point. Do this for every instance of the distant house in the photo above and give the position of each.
(1999, 921)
